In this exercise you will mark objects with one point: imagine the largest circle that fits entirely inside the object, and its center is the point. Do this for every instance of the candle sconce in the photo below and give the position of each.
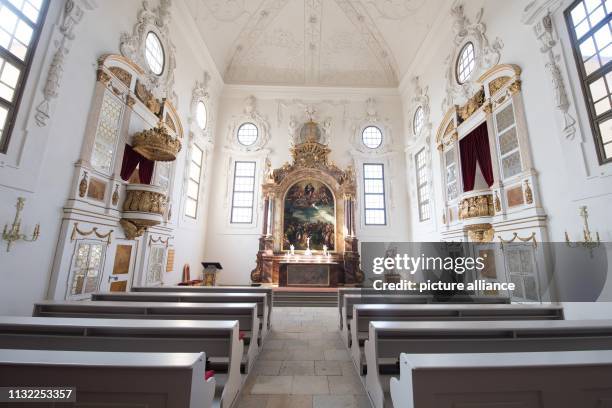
(13, 234)
(588, 242)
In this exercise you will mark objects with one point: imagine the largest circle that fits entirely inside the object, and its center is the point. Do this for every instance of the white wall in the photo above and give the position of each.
(25, 271)
(235, 246)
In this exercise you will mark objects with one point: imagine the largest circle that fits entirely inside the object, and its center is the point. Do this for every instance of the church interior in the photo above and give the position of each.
(241, 204)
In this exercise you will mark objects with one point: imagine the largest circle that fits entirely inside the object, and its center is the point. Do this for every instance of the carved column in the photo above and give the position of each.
(539, 16)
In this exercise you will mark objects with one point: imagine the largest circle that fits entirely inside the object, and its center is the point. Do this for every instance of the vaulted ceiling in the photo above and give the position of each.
(362, 43)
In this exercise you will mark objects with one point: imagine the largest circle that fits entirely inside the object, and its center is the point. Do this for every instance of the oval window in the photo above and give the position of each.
(372, 137)
(466, 63)
(417, 122)
(154, 53)
(201, 115)
(247, 134)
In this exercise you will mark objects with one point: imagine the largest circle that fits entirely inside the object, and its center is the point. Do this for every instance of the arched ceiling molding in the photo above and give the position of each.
(132, 46)
(357, 13)
(486, 55)
(251, 32)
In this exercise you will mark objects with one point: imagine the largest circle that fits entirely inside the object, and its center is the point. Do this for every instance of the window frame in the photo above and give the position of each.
(366, 194)
(252, 191)
(198, 181)
(163, 53)
(238, 134)
(458, 60)
(421, 111)
(422, 171)
(25, 66)
(585, 80)
(382, 137)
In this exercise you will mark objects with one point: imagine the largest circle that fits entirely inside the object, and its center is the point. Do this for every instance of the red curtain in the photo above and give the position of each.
(474, 148)
(132, 159)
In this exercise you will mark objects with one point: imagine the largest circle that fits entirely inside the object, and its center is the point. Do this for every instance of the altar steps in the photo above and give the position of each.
(311, 298)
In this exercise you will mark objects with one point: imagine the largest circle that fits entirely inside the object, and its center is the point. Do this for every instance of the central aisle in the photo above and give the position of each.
(304, 364)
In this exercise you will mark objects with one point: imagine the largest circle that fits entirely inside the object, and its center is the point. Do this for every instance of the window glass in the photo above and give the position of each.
(243, 196)
(374, 194)
(154, 53)
(247, 134)
(372, 137)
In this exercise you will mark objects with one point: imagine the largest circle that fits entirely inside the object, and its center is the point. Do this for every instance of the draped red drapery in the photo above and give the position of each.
(132, 159)
(474, 148)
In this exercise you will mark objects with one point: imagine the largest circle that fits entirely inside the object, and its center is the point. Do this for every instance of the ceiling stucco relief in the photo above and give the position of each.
(396, 9)
(363, 43)
(226, 10)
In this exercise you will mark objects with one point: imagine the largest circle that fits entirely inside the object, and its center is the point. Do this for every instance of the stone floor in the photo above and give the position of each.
(303, 364)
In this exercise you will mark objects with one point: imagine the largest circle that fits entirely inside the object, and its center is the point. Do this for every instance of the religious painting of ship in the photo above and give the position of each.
(309, 214)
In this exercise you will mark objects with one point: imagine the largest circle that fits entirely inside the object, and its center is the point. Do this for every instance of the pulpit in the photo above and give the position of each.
(308, 236)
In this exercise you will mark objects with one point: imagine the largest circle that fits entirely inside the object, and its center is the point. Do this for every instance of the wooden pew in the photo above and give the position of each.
(188, 297)
(341, 293)
(350, 300)
(214, 289)
(363, 314)
(245, 313)
(387, 340)
(155, 380)
(559, 379)
(218, 339)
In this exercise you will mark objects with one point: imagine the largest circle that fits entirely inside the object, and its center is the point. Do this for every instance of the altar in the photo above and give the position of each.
(308, 235)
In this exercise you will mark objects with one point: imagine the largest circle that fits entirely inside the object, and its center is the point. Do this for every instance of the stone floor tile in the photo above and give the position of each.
(290, 401)
(327, 368)
(268, 384)
(309, 385)
(297, 368)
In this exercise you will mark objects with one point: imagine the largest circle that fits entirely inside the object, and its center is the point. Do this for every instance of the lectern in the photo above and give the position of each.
(210, 272)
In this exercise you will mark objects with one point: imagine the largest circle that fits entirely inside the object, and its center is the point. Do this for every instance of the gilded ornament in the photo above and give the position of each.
(515, 236)
(146, 97)
(528, 193)
(480, 233)
(497, 202)
(103, 77)
(115, 198)
(83, 185)
(497, 84)
(478, 206)
(121, 75)
(131, 230)
(472, 105)
(76, 232)
(515, 87)
(157, 144)
(449, 128)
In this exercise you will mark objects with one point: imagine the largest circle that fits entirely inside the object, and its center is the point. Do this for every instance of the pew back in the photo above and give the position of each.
(188, 297)
(218, 339)
(561, 379)
(213, 289)
(157, 380)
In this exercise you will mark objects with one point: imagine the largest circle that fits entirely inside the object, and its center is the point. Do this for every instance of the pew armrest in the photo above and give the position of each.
(401, 389)
(373, 384)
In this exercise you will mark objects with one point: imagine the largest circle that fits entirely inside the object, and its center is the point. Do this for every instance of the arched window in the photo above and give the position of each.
(247, 134)
(201, 115)
(154, 53)
(465, 63)
(20, 26)
(372, 137)
(418, 120)
(589, 24)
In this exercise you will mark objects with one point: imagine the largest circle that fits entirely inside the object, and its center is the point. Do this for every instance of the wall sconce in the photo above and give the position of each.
(14, 233)
(588, 242)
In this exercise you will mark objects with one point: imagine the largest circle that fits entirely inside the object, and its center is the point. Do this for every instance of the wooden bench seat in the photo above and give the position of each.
(189, 297)
(245, 313)
(213, 289)
(363, 314)
(560, 379)
(350, 300)
(387, 340)
(218, 339)
(154, 380)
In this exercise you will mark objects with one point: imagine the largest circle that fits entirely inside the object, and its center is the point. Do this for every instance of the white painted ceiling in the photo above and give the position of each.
(361, 43)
